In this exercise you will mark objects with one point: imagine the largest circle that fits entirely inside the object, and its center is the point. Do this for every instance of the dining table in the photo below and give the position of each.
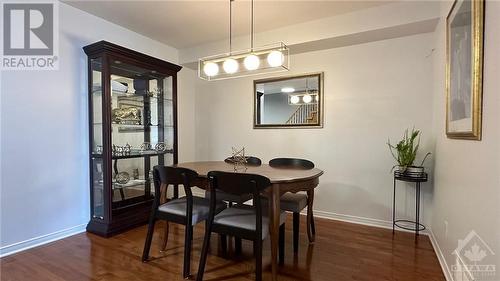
(282, 180)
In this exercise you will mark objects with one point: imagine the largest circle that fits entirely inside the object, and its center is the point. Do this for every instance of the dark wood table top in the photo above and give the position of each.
(275, 175)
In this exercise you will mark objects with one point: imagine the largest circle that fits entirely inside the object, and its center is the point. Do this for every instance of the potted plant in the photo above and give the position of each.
(405, 152)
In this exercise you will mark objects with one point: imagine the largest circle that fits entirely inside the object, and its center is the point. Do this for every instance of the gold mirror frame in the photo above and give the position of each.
(476, 75)
(319, 124)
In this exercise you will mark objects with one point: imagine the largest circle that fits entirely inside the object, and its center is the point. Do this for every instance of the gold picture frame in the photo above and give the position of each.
(464, 69)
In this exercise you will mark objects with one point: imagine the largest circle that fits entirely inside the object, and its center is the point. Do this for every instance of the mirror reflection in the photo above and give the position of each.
(288, 102)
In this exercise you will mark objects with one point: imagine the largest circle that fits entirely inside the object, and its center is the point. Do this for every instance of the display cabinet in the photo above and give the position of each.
(132, 128)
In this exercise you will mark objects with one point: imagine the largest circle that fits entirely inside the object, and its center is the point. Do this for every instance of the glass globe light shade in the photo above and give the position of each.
(211, 69)
(251, 62)
(230, 66)
(307, 98)
(275, 58)
(316, 98)
(294, 99)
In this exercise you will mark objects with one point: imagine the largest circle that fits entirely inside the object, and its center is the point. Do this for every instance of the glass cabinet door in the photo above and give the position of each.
(142, 133)
(96, 99)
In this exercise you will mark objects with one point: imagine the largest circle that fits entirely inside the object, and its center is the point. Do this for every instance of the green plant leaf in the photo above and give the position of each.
(405, 151)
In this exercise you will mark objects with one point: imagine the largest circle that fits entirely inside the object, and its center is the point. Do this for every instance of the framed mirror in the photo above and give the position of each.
(289, 102)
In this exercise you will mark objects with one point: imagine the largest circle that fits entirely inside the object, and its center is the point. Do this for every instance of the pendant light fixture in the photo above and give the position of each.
(307, 97)
(304, 97)
(264, 59)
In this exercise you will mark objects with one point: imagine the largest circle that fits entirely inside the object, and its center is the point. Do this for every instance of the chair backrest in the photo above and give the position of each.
(239, 184)
(173, 175)
(253, 161)
(291, 163)
(165, 175)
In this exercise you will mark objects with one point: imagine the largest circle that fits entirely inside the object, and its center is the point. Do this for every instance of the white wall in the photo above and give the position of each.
(372, 91)
(467, 173)
(186, 87)
(44, 133)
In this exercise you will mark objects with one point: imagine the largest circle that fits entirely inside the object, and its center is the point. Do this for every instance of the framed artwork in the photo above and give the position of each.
(464, 69)
(133, 108)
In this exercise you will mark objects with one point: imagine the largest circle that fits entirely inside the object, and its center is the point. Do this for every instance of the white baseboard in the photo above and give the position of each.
(40, 240)
(352, 219)
(199, 193)
(440, 256)
(358, 220)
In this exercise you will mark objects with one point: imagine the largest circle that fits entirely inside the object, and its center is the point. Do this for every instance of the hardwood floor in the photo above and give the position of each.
(342, 251)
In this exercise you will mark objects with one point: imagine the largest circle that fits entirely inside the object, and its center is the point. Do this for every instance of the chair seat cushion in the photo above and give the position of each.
(244, 217)
(224, 196)
(291, 202)
(201, 208)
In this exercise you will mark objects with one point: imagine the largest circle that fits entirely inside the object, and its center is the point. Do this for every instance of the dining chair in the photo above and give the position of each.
(296, 202)
(188, 210)
(231, 198)
(234, 199)
(243, 221)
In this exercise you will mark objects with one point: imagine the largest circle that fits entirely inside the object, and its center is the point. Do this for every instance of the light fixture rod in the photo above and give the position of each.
(230, 26)
(252, 29)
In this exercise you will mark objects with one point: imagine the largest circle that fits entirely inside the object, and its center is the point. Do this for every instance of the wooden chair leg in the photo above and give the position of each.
(223, 243)
(282, 244)
(206, 228)
(122, 194)
(204, 252)
(188, 237)
(164, 199)
(165, 237)
(176, 191)
(149, 237)
(296, 225)
(237, 245)
(257, 248)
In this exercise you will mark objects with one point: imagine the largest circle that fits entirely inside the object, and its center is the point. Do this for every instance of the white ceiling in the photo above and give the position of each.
(184, 24)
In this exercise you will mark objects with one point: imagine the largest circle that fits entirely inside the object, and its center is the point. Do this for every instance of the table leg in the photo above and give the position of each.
(274, 225)
(310, 201)
(164, 237)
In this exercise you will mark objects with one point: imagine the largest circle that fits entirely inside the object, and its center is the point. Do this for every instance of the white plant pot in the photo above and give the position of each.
(415, 170)
(411, 170)
(401, 169)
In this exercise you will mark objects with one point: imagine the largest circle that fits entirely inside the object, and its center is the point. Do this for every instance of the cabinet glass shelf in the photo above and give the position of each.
(138, 126)
(141, 154)
(131, 183)
(136, 154)
(134, 95)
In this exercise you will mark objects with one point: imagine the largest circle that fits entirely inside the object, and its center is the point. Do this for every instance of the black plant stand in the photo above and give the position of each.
(417, 178)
